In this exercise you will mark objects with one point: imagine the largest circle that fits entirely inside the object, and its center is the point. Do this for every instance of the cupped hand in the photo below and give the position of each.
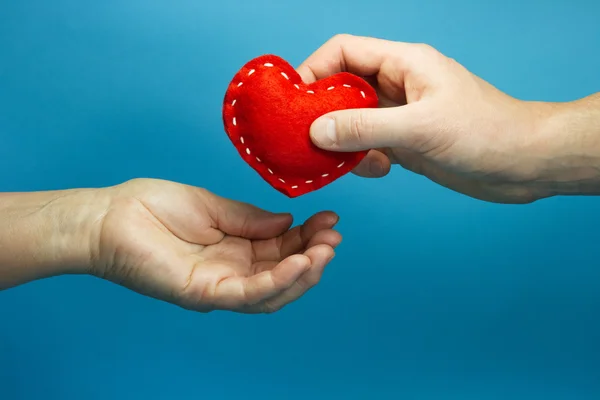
(190, 247)
(435, 118)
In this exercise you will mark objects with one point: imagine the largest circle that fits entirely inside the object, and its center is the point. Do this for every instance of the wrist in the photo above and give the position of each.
(44, 234)
(568, 148)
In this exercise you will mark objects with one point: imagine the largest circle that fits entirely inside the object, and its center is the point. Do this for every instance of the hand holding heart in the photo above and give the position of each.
(436, 119)
(303, 129)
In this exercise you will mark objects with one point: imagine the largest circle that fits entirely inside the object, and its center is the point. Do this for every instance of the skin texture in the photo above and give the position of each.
(173, 242)
(438, 119)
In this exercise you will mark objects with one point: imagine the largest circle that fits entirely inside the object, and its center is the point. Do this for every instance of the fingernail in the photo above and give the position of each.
(323, 132)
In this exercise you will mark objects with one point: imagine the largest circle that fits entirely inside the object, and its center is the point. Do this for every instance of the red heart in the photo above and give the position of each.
(268, 111)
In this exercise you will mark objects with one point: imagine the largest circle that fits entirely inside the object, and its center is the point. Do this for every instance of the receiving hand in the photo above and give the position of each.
(190, 247)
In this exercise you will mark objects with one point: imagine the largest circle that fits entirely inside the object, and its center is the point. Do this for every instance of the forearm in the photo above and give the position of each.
(44, 234)
(570, 138)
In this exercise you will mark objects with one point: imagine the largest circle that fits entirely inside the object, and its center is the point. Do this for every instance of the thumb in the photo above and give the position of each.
(366, 128)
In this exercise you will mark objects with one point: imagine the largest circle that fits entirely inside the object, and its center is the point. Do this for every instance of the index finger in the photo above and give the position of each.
(347, 53)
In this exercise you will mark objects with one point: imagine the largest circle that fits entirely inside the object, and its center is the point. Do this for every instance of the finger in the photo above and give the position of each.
(245, 220)
(294, 240)
(327, 237)
(369, 128)
(240, 292)
(374, 165)
(320, 256)
(347, 53)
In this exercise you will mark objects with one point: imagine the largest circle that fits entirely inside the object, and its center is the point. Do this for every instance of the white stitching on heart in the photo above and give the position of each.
(268, 65)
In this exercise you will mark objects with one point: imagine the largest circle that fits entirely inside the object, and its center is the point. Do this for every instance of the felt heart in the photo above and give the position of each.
(268, 111)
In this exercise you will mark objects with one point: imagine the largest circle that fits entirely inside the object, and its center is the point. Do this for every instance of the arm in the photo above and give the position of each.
(173, 242)
(43, 234)
(571, 138)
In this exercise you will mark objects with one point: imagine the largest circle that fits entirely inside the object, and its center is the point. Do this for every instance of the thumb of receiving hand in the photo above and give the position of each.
(364, 129)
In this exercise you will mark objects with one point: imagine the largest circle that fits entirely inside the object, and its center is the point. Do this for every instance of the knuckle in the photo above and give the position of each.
(140, 184)
(340, 37)
(359, 127)
(426, 48)
(426, 51)
(135, 182)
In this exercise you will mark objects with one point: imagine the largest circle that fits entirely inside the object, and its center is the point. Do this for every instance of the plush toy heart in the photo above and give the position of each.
(268, 111)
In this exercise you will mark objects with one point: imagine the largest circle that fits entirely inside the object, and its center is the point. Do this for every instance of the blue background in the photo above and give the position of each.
(466, 300)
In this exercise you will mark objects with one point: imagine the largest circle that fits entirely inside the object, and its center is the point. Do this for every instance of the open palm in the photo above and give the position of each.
(190, 247)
